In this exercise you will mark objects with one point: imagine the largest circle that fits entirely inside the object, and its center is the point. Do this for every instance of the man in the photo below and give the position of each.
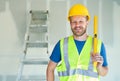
(73, 55)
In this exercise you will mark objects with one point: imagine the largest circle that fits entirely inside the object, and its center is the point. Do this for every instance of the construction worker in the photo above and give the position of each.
(73, 56)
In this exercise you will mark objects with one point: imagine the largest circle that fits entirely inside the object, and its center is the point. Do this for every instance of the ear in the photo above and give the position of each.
(87, 22)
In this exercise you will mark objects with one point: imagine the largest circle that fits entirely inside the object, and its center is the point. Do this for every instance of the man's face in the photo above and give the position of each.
(78, 25)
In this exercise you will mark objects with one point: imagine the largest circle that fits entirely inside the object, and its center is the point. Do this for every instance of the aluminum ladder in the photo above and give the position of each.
(36, 36)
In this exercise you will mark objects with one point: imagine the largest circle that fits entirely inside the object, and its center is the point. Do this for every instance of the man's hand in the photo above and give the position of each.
(99, 59)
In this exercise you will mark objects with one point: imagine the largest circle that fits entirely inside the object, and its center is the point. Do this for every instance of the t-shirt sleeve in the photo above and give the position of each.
(103, 54)
(56, 56)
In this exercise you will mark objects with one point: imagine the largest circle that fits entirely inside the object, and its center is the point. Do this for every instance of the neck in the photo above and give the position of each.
(81, 38)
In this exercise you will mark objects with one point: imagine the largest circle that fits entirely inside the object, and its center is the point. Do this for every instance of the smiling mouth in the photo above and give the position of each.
(78, 28)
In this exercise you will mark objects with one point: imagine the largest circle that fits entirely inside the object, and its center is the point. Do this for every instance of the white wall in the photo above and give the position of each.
(13, 27)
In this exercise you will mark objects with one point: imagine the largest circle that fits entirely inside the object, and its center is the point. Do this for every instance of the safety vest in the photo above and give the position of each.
(74, 66)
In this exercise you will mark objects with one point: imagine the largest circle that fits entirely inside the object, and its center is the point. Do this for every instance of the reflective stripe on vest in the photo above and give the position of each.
(69, 71)
(78, 71)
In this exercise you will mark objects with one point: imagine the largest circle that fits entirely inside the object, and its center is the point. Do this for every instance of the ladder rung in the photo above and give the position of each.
(38, 25)
(38, 28)
(39, 15)
(33, 80)
(37, 44)
(34, 61)
(39, 11)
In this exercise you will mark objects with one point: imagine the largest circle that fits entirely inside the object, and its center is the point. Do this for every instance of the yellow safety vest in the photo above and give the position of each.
(74, 66)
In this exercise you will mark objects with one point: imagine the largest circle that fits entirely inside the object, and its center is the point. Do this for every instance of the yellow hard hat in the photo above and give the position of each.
(78, 9)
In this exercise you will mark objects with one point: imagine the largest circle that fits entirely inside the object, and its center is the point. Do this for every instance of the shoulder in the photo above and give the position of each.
(66, 38)
(55, 55)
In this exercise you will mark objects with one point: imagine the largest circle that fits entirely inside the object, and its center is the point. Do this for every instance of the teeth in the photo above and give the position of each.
(78, 28)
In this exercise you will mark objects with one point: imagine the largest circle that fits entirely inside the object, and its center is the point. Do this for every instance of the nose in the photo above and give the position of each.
(77, 24)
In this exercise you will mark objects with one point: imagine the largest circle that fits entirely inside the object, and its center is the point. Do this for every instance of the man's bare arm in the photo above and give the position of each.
(50, 71)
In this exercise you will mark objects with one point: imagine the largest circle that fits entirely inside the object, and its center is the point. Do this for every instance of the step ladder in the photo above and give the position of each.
(36, 37)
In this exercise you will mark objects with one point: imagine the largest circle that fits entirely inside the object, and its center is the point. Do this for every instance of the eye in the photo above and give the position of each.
(74, 22)
(81, 22)
(77, 22)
